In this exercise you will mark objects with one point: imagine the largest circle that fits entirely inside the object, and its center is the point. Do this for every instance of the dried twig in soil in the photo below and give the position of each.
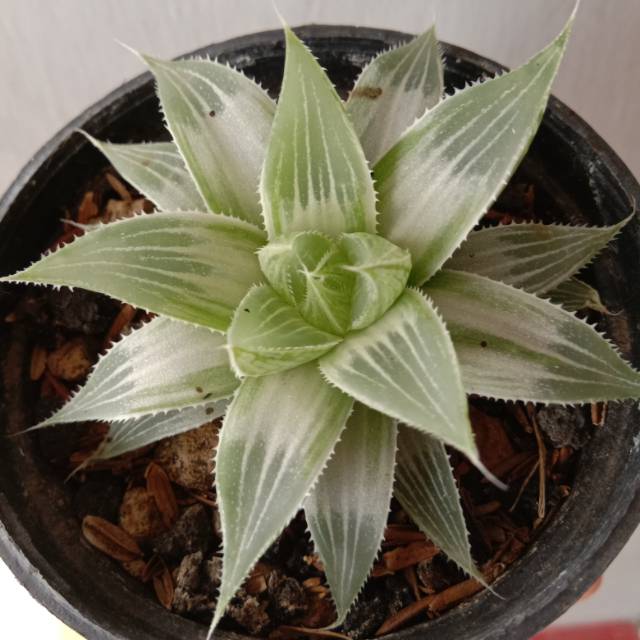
(397, 534)
(523, 486)
(402, 557)
(542, 470)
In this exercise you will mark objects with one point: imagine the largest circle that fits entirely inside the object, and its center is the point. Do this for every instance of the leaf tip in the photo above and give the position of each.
(495, 481)
(280, 17)
(132, 50)
(88, 136)
(562, 38)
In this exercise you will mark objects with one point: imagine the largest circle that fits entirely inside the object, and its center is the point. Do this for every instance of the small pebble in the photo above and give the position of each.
(139, 515)
(71, 361)
(249, 612)
(191, 533)
(188, 596)
(430, 576)
(288, 598)
(82, 311)
(188, 457)
(565, 426)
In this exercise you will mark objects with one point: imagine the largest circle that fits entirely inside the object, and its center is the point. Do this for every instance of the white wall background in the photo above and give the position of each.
(58, 57)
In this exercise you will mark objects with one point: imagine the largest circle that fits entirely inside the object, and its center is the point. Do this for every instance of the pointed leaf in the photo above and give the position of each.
(516, 346)
(315, 175)
(347, 510)
(437, 181)
(307, 269)
(268, 335)
(190, 266)
(164, 365)
(277, 436)
(574, 295)
(393, 90)
(531, 256)
(427, 491)
(157, 170)
(220, 121)
(381, 271)
(404, 366)
(135, 433)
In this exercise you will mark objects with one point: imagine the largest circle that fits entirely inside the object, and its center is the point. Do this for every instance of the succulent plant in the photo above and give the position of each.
(335, 314)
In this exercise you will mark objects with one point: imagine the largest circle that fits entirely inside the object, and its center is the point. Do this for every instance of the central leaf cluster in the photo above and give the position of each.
(320, 289)
(336, 284)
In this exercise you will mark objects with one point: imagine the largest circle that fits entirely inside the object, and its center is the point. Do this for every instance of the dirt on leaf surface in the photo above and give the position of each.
(154, 511)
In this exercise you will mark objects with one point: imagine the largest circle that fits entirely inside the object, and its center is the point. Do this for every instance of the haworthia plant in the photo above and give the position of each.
(291, 295)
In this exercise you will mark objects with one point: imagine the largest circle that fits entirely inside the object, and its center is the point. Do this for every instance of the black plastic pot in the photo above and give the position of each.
(580, 179)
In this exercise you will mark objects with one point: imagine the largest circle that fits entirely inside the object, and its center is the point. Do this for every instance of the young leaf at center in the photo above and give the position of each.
(338, 284)
(381, 272)
(268, 335)
(307, 270)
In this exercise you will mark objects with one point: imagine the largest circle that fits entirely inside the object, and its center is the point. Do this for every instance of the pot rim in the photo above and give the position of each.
(562, 588)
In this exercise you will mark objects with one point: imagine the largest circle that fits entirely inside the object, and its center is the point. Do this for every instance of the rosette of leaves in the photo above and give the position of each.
(318, 307)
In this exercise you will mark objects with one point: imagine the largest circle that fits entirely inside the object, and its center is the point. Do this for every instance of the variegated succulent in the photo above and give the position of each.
(317, 307)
